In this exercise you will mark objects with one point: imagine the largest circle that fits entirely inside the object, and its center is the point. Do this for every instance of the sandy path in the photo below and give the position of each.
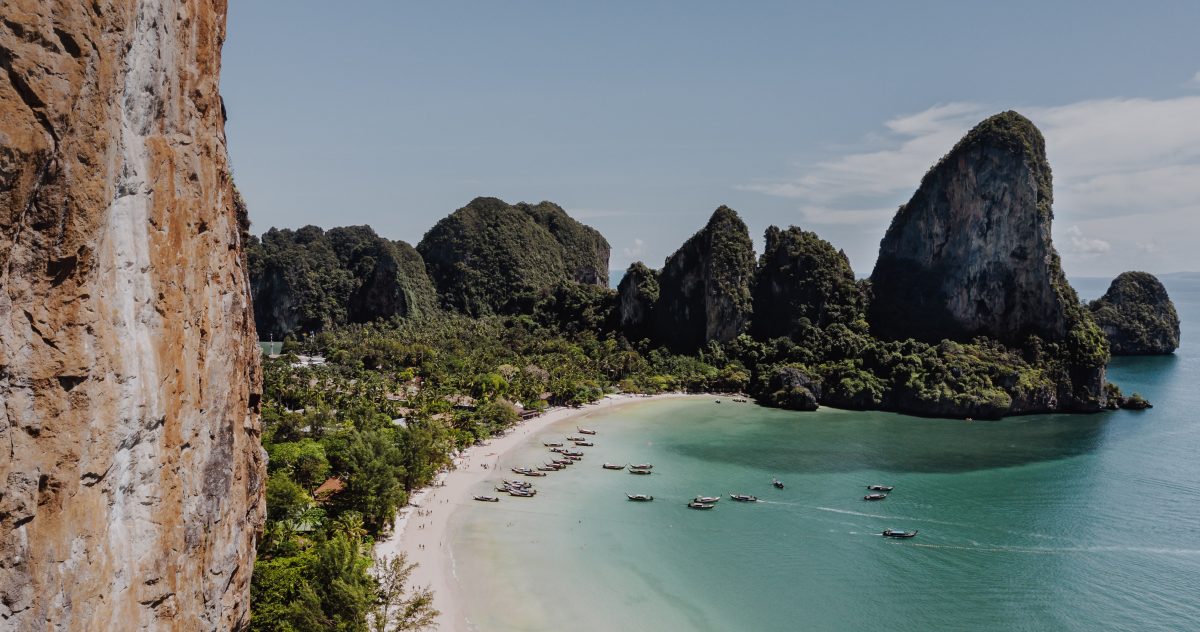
(421, 527)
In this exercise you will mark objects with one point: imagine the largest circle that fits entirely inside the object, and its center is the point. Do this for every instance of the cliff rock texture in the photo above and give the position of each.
(129, 382)
(636, 294)
(492, 257)
(970, 254)
(802, 281)
(1137, 316)
(704, 286)
(309, 279)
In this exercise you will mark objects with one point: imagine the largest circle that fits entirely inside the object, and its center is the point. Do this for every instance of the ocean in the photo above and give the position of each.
(1049, 522)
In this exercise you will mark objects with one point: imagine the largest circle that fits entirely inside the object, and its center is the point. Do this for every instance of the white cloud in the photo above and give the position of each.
(1112, 159)
(637, 250)
(1084, 246)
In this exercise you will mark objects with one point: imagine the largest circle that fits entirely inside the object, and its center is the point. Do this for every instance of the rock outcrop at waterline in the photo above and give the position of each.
(1137, 315)
(130, 463)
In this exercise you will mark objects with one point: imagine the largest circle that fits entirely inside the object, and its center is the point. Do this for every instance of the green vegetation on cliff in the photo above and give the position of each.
(490, 257)
(704, 287)
(309, 279)
(1137, 315)
(803, 281)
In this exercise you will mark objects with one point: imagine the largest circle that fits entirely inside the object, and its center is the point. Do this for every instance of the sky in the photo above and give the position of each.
(641, 118)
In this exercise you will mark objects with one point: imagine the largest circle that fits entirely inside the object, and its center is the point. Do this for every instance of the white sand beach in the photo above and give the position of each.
(421, 527)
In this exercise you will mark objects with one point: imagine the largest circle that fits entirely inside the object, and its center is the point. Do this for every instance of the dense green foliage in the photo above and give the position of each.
(309, 279)
(802, 280)
(490, 257)
(1137, 315)
(704, 287)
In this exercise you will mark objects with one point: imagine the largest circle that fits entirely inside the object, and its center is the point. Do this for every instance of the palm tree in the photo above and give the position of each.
(350, 524)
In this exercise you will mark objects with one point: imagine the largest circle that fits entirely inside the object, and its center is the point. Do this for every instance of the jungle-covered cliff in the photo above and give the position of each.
(1137, 315)
(491, 257)
(309, 279)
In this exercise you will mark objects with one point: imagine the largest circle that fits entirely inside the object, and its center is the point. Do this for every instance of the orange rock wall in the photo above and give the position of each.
(131, 474)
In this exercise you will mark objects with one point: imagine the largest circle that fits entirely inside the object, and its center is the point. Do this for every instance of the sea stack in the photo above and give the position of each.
(1137, 315)
(704, 287)
(129, 379)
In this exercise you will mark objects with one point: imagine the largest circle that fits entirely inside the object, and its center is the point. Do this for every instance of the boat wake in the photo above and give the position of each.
(1060, 550)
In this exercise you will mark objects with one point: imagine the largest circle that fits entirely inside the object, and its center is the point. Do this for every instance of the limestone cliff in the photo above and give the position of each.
(309, 279)
(705, 285)
(492, 257)
(971, 255)
(802, 281)
(1137, 315)
(636, 294)
(129, 382)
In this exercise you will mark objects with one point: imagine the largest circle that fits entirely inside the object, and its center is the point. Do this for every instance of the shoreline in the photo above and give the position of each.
(425, 520)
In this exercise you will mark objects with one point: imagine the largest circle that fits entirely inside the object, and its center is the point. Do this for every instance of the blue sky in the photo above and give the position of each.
(640, 118)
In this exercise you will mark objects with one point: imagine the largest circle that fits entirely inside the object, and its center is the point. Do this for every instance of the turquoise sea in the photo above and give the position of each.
(1049, 522)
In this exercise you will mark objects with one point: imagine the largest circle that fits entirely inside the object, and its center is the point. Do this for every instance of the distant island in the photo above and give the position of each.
(966, 314)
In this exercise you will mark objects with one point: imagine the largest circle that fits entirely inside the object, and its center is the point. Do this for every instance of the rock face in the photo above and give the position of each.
(492, 257)
(309, 279)
(636, 295)
(802, 281)
(970, 254)
(704, 286)
(790, 388)
(131, 466)
(1137, 316)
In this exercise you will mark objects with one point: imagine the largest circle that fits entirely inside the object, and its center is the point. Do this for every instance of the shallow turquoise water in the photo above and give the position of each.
(1047, 522)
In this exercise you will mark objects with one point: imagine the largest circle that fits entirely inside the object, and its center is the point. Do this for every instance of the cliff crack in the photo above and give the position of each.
(28, 96)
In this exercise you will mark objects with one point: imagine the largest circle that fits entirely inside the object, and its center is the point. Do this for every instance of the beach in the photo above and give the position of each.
(421, 527)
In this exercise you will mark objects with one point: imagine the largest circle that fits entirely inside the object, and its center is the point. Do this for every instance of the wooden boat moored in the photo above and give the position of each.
(707, 500)
(612, 466)
(556, 444)
(889, 533)
(584, 444)
(586, 431)
(645, 498)
(642, 472)
(744, 498)
(642, 466)
(696, 505)
(487, 499)
(874, 496)
(880, 488)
